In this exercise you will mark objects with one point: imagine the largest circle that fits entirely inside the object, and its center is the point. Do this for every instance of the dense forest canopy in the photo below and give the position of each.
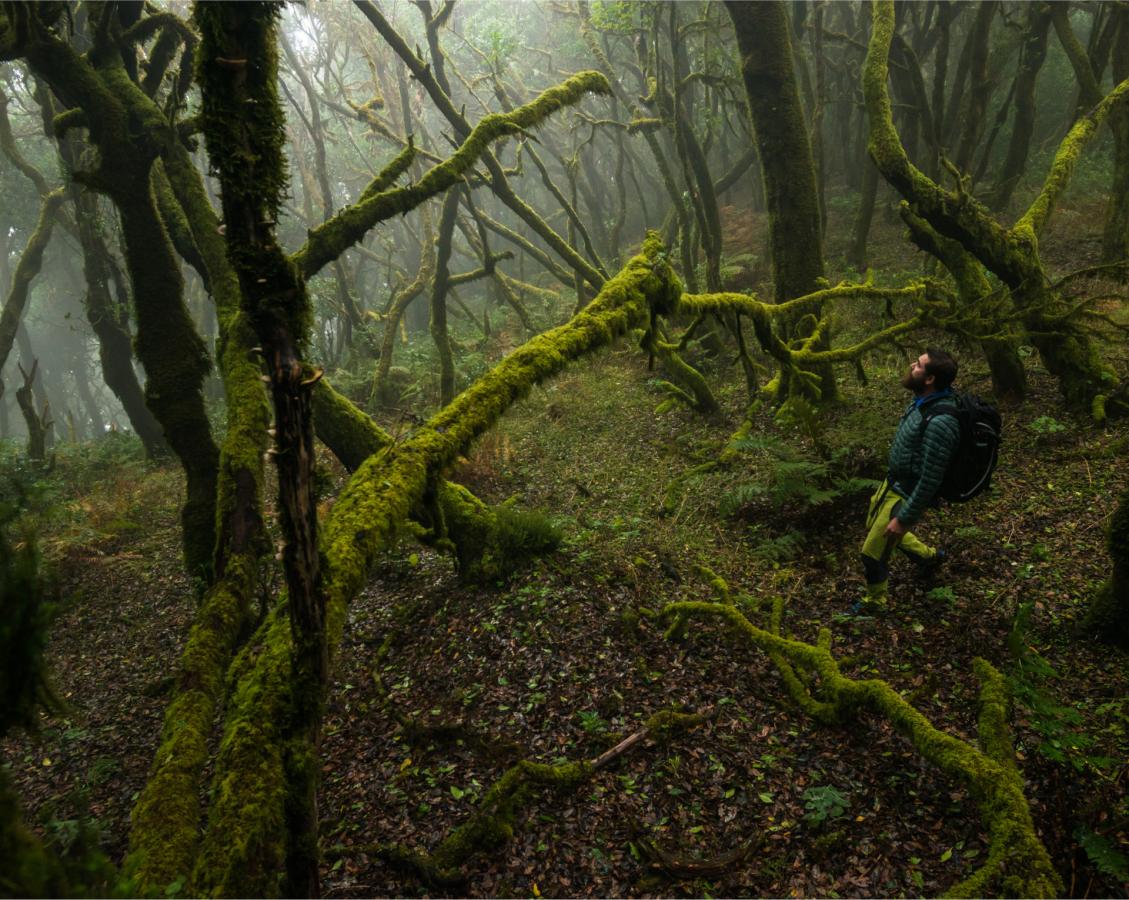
(274, 276)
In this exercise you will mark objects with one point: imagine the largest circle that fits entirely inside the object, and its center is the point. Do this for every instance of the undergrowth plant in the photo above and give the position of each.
(788, 476)
(67, 862)
(1067, 738)
(1061, 726)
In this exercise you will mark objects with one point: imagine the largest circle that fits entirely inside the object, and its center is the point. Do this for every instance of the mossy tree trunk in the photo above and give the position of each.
(128, 129)
(1115, 234)
(785, 152)
(38, 422)
(31, 261)
(1009, 378)
(247, 841)
(115, 346)
(244, 129)
(795, 233)
(438, 300)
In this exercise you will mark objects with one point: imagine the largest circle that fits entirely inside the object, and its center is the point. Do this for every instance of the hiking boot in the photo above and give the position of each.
(867, 606)
(928, 566)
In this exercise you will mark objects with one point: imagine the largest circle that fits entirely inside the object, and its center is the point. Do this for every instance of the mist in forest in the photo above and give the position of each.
(282, 270)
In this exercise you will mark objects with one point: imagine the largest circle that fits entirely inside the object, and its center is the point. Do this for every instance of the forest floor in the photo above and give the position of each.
(565, 658)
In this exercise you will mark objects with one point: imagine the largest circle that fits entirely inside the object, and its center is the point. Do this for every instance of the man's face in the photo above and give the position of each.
(917, 380)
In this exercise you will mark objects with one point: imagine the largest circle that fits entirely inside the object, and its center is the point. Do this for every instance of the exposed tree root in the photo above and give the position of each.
(681, 865)
(420, 733)
(493, 822)
(1018, 863)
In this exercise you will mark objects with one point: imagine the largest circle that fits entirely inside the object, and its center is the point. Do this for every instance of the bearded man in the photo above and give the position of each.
(919, 458)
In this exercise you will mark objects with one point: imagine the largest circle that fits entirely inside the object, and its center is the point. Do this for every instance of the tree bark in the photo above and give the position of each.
(438, 300)
(240, 65)
(782, 140)
(1107, 618)
(128, 130)
(1031, 58)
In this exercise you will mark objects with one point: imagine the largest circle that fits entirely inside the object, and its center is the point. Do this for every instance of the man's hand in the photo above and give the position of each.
(895, 528)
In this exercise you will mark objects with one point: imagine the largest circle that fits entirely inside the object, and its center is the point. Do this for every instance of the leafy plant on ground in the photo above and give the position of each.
(1061, 726)
(823, 802)
(790, 477)
(1106, 858)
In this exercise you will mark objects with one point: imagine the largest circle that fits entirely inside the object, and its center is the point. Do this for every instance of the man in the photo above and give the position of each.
(919, 457)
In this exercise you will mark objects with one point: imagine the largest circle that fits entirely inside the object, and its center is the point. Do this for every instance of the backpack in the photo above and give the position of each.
(970, 470)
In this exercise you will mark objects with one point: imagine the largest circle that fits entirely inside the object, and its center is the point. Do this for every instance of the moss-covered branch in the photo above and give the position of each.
(31, 261)
(387, 176)
(1018, 862)
(496, 817)
(10, 150)
(396, 309)
(1031, 224)
(1012, 255)
(750, 305)
(244, 843)
(329, 240)
(527, 246)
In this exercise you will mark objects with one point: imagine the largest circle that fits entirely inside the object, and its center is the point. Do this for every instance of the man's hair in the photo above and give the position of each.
(941, 366)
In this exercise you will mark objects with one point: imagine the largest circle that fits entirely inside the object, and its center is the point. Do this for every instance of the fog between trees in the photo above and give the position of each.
(244, 233)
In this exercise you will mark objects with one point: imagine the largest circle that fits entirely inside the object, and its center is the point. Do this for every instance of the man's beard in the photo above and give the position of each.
(917, 385)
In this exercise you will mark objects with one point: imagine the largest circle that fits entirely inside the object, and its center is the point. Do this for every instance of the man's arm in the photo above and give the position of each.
(942, 435)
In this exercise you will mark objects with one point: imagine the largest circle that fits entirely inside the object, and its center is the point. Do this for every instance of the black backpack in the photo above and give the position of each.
(970, 470)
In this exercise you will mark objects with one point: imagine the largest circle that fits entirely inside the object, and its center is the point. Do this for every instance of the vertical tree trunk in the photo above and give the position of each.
(38, 423)
(1115, 234)
(240, 74)
(1031, 58)
(973, 118)
(863, 216)
(82, 388)
(782, 139)
(1108, 615)
(115, 346)
(439, 285)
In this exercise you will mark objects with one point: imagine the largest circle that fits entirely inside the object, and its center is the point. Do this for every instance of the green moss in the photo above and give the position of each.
(388, 175)
(329, 240)
(346, 430)
(1031, 224)
(165, 821)
(244, 845)
(1015, 848)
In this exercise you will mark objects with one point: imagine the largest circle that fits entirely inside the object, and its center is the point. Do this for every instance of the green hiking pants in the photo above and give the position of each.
(879, 547)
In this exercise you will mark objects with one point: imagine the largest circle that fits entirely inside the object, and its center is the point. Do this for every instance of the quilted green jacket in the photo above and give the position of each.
(919, 456)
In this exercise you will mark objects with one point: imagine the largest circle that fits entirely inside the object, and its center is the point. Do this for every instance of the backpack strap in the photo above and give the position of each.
(939, 409)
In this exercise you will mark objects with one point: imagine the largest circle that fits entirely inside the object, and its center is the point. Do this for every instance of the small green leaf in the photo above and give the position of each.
(457, 793)
(765, 797)
(947, 855)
